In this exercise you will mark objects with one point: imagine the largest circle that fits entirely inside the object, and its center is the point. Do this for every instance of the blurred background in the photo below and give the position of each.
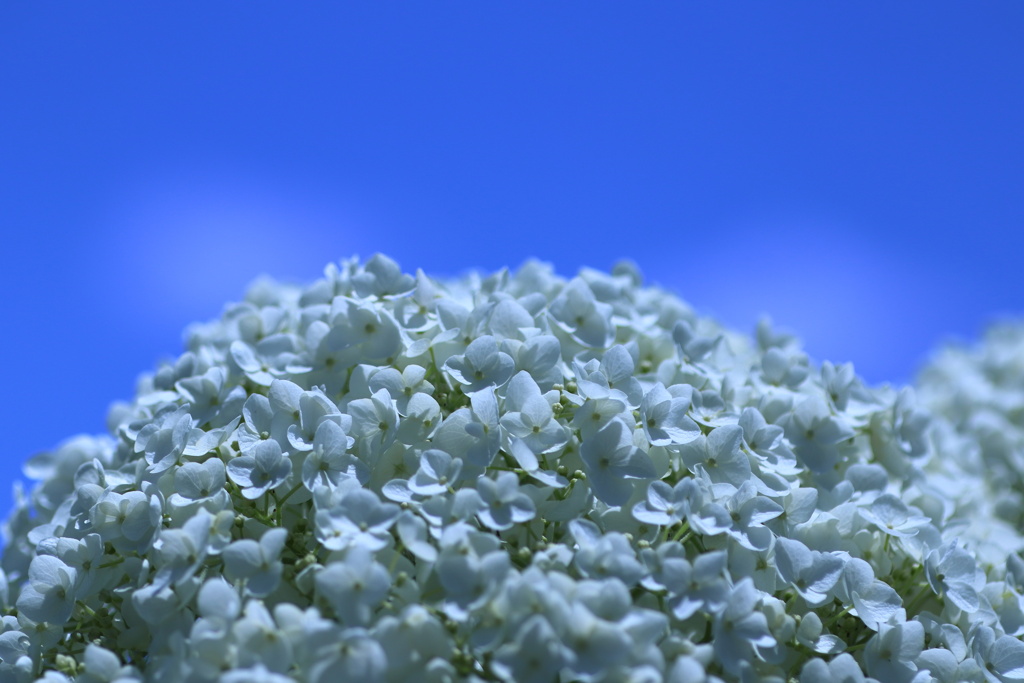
(855, 170)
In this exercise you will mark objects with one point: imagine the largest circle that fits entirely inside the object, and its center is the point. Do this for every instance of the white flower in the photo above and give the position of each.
(701, 585)
(375, 420)
(594, 414)
(218, 599)
(422, 416)
(893, 516)
(503, 503)
(484, 428)
(576, 312)
(529, 417)
(348, 655)
(739, 627)
(180, 552)
(213, 400)
(611, 378)
(368, 329)
(163, 441)
(694, 347)
(815, 432)
(402, 386)
(890, 654)
(256, 563)
(470, 567)
(436, 473)
(264, 468)
(259, 421)
(718, 454)
(784, 368)
(127, 520)
(666, 505)
(875, 601)
(952, 572)
(198, 481)
(267, 359)
(842, 669)
(747, 514)
(328, 462)
(1004, 655)
(381, 277)
(359, 518)
(258, 640)
(410, 638)
(481, 366)
(49, 594)
(663, 417)
(103, 666)
(540, 356)
(535, 655)
(412, 531)
(601, 555)
(810, 572)
(611, 460)
(354, 586)
(597, 644)
(314, 409)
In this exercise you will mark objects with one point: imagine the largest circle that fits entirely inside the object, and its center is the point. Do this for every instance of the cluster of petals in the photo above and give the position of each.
(518, 477)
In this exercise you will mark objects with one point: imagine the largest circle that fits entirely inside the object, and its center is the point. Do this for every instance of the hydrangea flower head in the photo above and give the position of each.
(518, 477)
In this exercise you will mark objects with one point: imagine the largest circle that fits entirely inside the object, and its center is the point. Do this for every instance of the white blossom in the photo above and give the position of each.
(264, 468)
(611, 460)
(257, 563)
(518, 477)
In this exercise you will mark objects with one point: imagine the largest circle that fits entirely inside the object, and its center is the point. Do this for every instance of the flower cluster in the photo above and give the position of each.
(977, 396)
(383, 477)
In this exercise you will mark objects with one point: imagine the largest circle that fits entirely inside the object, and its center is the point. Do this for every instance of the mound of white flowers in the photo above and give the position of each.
(980, 467)
(518, 478)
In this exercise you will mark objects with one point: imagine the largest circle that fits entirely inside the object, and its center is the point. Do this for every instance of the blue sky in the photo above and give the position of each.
(852, 169)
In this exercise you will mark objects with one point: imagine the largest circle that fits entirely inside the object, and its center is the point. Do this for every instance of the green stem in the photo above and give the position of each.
(394, 559)
(288, 495)
(836, 617)
(684, 530)
(85, 608)
(918, 600)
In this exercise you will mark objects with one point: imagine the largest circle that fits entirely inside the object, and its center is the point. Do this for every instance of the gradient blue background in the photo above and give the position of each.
(853, 169)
